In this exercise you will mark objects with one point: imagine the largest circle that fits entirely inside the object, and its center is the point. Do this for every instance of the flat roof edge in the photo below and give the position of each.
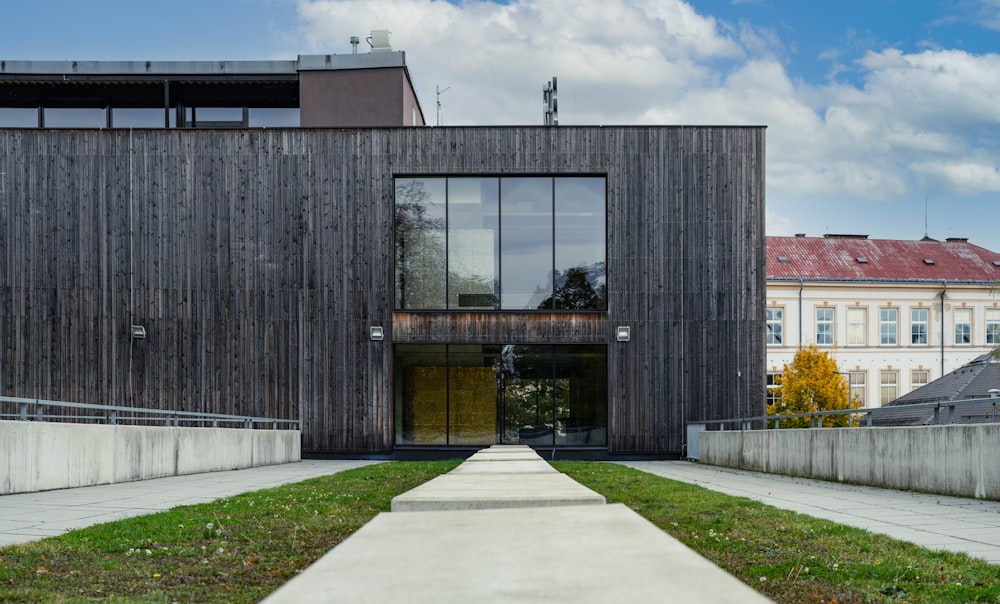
(302, 63)
(372, 60)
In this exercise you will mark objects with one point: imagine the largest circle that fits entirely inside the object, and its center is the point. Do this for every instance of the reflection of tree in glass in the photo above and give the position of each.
(526, 386)
(420, 248)
(574, 289)
(422, 273)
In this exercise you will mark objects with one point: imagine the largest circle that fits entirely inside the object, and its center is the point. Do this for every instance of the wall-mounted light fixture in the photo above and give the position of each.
(138, 332)
(623, 333)
(376, 333)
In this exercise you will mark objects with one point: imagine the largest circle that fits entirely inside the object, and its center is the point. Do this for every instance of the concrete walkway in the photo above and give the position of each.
(537, 554)
(505, 527)
(31, 516)
(937, 522)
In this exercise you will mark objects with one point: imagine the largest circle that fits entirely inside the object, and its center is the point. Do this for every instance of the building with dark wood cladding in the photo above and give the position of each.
(397, 289)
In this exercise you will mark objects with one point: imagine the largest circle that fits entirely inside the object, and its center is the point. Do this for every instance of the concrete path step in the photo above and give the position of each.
(594, 553)
(506, 527)
(498, 477)
(481, 491)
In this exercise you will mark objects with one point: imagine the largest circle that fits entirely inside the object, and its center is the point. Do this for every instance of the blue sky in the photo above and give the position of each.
(874, 108)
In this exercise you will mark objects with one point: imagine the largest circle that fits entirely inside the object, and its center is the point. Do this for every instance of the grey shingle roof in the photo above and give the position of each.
(971, 381)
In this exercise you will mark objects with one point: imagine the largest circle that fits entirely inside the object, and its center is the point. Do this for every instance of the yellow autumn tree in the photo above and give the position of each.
(811, 383)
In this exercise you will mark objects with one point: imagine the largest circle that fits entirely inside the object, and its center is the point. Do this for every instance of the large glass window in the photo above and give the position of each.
(274, 117)
(512, 243)
(919, 378)
(15, 117)
(993, 326)
(824, 326)
(420, 379)
(473, 243)
(888, 386)
(421, 251)
(472, 394)
(773, 387)
(858, 394)
(526, 243)
(775, 326)
(888, 321)
(137, 118)
(857, 326)
(580, 243)
(541, 395)
(963, 326)
(918, 325)
(75, 118)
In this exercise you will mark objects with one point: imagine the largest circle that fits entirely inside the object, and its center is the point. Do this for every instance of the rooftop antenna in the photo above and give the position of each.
(355, 40)
(550, 104)
(926, 232)
(439, 91)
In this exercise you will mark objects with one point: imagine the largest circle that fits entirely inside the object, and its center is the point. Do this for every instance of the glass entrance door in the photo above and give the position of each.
(538, 395)
(526, 380)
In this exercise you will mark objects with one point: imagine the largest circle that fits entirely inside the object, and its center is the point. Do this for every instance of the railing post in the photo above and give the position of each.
(937, 415)
(22, 409)
(39, 413)
(951, 414)
(114, 418)
(868, 415)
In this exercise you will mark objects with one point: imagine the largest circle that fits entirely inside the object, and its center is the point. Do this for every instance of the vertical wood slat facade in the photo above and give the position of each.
(258, 259)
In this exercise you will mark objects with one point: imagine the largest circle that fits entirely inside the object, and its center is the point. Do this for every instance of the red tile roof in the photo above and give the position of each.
(857, 258)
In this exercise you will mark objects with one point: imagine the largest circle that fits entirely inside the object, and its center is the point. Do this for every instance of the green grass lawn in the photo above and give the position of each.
(238, 549)
(243, 548)
(788, 556)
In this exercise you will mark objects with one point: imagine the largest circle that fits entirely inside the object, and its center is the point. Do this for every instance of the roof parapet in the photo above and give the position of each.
(146, 68)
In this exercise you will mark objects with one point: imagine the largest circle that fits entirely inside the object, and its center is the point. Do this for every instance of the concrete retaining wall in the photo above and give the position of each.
(961, 460)
(38, 456)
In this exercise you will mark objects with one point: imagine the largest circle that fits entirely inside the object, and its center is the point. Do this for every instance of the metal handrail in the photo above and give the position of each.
(816, 417)
(113, 414)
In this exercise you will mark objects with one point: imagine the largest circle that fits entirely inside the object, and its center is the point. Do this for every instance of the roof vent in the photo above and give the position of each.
(379, 40)
(928, 261)
(957, 239)
(996, 263)
(844, 236)
(783, 259)
(862, 260)
(800, 234)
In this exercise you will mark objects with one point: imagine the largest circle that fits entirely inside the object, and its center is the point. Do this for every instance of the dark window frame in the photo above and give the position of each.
(555, 352)
(498, 290)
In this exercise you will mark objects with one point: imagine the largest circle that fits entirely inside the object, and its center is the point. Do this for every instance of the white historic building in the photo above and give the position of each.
(876, 306)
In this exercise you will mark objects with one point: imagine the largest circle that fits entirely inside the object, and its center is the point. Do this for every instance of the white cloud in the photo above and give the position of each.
(969, 177)
(989, 14)
(920, 120)
(496, 58)
(776, 224)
